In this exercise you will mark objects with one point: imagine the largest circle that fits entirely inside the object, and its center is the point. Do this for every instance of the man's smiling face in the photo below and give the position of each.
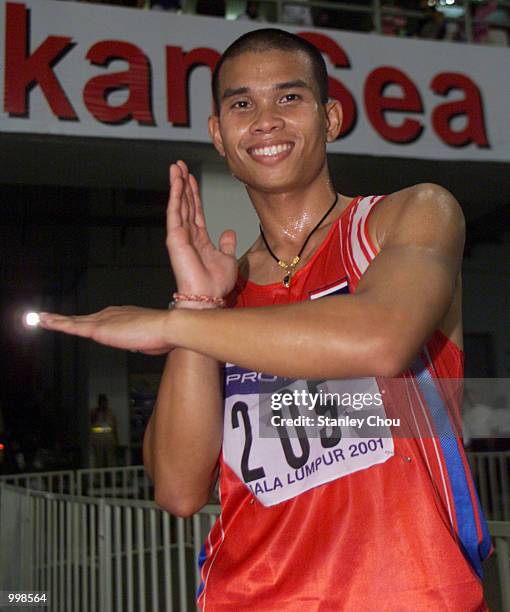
(271, 126)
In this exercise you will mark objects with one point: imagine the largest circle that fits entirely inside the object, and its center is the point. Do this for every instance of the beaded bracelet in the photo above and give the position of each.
(192, 297)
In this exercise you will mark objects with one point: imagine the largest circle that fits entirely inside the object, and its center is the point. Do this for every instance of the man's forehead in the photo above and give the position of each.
(268, 67)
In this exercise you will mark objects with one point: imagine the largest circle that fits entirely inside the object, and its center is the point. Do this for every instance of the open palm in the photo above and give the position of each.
(199, 267)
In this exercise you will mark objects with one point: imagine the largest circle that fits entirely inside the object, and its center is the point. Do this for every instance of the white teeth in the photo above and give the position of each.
(271, 151)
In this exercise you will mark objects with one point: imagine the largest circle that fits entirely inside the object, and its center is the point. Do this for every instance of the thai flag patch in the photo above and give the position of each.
(337, 288)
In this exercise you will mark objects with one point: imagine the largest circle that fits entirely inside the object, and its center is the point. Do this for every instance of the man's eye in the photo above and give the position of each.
(240, 104)
(290, 97)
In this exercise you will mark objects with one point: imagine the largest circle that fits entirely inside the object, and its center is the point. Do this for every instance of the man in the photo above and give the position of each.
(342, 521)
(251, 13)
(103, 434)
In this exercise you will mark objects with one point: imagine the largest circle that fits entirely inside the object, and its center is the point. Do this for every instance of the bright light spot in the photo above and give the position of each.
(32, 319)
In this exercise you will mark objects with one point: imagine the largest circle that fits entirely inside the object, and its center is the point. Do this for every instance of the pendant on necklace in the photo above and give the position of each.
(289, 268)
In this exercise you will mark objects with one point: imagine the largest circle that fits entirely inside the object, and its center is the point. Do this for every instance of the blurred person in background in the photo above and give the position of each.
(251, 13)
(432, 25)
(103, 434)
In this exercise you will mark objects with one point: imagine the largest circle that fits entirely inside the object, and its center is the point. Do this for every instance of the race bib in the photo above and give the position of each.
(283, 437)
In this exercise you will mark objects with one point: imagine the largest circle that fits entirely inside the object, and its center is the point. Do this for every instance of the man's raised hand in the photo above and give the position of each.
(199, 267)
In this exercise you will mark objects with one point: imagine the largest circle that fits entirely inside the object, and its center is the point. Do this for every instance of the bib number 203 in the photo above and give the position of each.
(295, 460)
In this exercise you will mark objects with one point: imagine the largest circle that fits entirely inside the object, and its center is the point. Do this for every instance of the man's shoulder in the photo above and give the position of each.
(420, 196)
(423, 204)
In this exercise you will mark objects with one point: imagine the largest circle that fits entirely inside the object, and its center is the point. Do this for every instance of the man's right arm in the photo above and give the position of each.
(183, 439)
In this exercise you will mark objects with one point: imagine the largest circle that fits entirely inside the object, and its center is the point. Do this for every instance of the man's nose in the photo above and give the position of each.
(267, 120)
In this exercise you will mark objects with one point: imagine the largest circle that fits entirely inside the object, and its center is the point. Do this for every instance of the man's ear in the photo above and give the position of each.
(215, 134)
(334, 119)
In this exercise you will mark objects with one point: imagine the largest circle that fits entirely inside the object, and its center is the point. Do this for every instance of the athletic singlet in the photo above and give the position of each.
(346, 521)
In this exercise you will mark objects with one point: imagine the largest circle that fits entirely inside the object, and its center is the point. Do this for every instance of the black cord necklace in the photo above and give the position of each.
(289, 267)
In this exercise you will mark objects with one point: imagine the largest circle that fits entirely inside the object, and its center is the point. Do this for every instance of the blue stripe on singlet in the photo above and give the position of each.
(202, 558)
(464, 509)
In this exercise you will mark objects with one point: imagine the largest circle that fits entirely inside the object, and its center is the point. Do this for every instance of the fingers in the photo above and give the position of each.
(227, 243)
(77, 326)
(185, 205)
(187, 191)
(182, 165)
(174, 211)
(199, 211)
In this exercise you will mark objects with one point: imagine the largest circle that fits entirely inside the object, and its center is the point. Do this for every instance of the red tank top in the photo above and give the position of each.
(354, 518)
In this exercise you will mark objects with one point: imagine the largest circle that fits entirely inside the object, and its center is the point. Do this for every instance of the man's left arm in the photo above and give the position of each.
(399, 302)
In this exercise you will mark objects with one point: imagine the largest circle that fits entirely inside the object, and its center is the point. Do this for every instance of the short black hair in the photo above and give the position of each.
(267, 39)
